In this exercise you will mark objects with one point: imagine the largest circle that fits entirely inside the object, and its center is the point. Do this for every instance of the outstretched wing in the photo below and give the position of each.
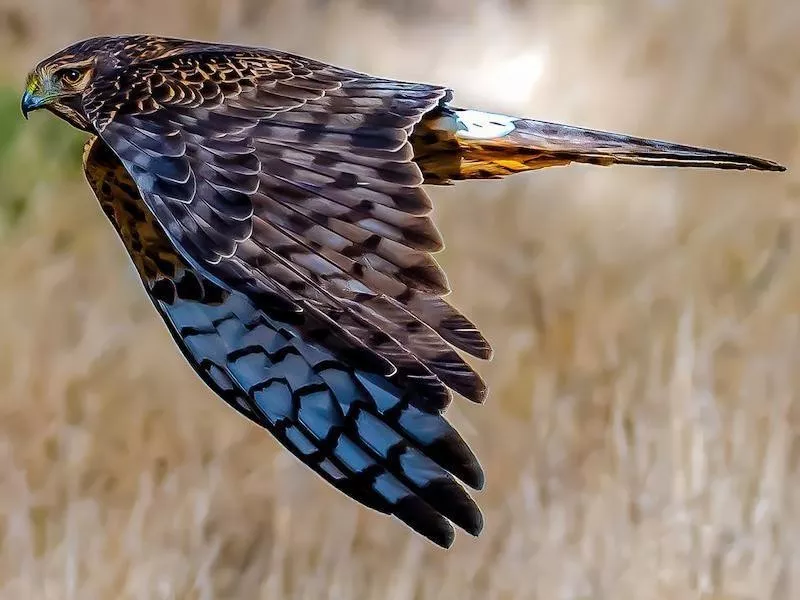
(361, 431)
(293, 182)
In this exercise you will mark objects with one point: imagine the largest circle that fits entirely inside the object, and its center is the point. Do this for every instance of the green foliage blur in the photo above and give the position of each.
(38, 154)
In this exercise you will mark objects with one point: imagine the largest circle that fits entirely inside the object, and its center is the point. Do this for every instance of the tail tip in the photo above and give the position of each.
(764, 164)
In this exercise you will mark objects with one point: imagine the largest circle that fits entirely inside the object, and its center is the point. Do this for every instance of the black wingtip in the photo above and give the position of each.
(477, 481)
(452, 453)
(450, 499)
(418, 514)
(479, 523)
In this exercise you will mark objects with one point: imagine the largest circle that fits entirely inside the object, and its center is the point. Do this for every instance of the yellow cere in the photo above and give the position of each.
(32, 84)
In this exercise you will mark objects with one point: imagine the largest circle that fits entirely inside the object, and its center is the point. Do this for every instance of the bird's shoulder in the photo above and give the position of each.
(153, 255)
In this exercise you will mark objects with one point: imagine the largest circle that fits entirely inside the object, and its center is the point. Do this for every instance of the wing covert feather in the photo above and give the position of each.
(293, 182)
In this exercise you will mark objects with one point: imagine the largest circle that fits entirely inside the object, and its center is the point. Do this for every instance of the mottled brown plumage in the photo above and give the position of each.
(273, 207)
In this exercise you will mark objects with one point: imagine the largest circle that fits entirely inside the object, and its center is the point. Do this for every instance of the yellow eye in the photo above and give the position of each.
(70, 76)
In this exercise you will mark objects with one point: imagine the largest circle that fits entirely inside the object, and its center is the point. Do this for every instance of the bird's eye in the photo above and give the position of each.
(71, 76)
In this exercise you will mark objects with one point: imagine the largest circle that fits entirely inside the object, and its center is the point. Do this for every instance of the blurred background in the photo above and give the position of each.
(641, 435)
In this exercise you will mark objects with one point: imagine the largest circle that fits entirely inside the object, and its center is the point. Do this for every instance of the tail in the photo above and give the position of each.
(453, 144)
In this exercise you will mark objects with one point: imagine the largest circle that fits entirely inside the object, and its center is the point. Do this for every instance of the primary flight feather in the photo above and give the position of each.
(273, 206)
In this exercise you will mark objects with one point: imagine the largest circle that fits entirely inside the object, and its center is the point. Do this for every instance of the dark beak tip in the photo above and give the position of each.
(28, 104)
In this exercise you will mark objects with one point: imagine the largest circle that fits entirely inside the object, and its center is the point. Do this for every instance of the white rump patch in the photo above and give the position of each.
(479, 125)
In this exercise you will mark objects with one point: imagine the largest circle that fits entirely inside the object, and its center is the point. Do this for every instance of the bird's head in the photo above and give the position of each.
(61, 82)
(58, 84)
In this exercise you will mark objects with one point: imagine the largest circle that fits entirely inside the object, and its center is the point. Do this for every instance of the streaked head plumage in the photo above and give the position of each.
(59, 82)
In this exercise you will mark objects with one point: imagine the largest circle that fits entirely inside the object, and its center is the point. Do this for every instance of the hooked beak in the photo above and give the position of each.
(31, 102)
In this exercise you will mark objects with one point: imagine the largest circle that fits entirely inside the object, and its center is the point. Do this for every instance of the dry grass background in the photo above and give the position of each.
(641, 437)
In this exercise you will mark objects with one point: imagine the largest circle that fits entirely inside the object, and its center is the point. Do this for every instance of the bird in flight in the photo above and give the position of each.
(274, 208)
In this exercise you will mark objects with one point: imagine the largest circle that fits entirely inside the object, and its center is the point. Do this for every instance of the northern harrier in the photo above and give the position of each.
(273, 206)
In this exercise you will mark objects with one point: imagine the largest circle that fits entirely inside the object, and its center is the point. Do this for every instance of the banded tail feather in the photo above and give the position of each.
(454, 144)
